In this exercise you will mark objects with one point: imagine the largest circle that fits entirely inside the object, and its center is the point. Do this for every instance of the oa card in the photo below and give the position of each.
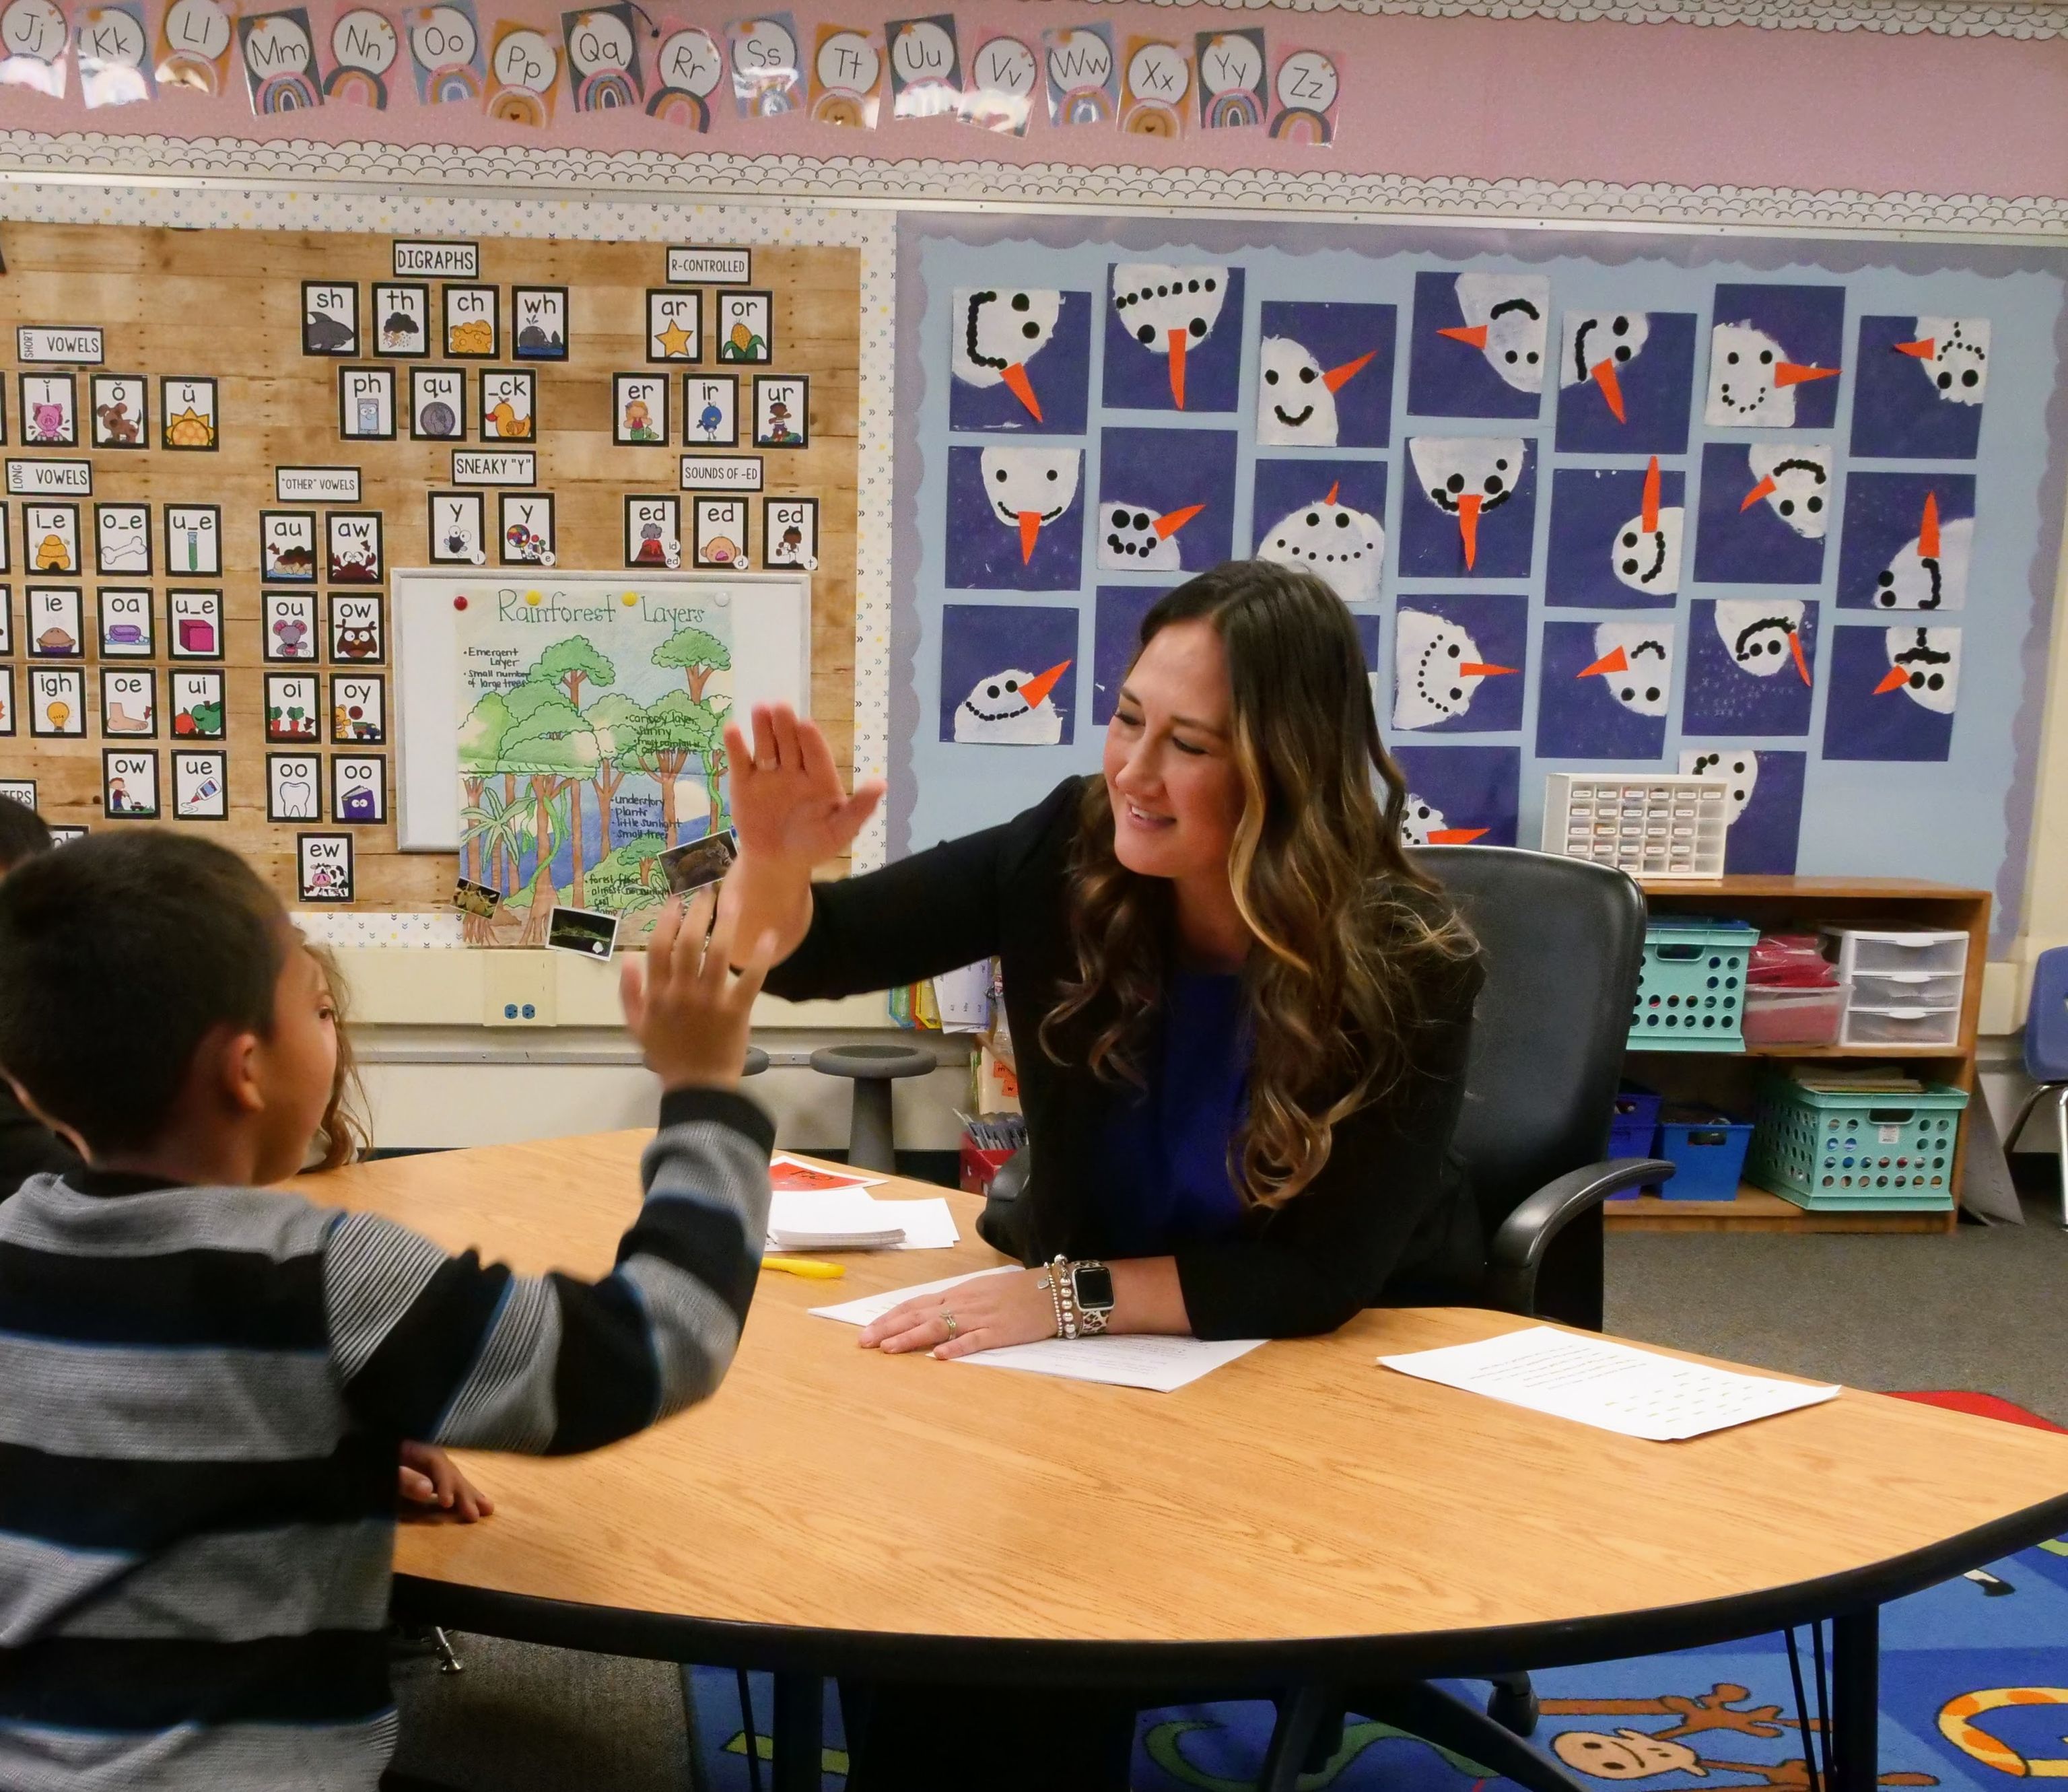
(329, 318)
(121, 417)
(1460, 796)
(1326, 377)
(122, 538)
(293, 787)
(1115, 638)
(1765, 805)
(356, 636)
(1751, 666)
(1920, 387)
(524, 535)
(324, 867)
(639, 408)
(539, 317)
(197, 705)
(1774, 357)
(50, 538)
(129, 702)
(1015, 519)
(129, 784)
(358, 709)
(782, 411)
(719, 537)
(1605, 690)
(54, 629)
(458, 528)
(746, 328)
(790, 533)
(1323, 517)
(290, 625)
(7, 701)
(1173, 336)
(1470, 507)
(508, 401)
(653, 532)
(1766, 507)
(710, 410)
(50, 410)
(1019, 360)
(193, 624)
(674, 324)
(1167, 499)
(287, 545)
(402, 319)
(1893, 692)
(1616, 537)
(1480, 344)
(1625, 381)
(127, 630)
(366, 404)
(470, 323)
(194, 540)
(186, 414)
(352, 546)
(1458, 663)
(57, 703)
(1006, 675)
(201, 786)
(1908, 538)
(359, 789)
(292, 709)
(437, 403)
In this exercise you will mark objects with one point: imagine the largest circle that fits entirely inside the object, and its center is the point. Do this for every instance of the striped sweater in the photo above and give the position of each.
(202, 1394)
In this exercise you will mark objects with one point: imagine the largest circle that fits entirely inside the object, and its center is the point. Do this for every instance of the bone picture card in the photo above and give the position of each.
(1774, 356)
(1917, 387)
(402, 319)
(356, 637)
(1006, 675)
(790, 533)
(1167, 499)
(1460, 796)
(1469, 508)
(458, 528)
(128, 624)
(1766, 508)
(352, 546)
(121, 416)
(1625, 381)
(1479, 344)
(1605, 689)
(539, 323)
(1084, 76)
(1155, 86)
(1459, 662)
(437, 403)
(288, 625)
(1907, 541)
(1173, 336)
(128, 702)
(200, 786)
(1231, 86)
(52, 622)
(524, 532)
(639, 410)
(287, 545)
(767, 65)
(324, 867)
(1765, 799)
(654, 531)
(926, 66)
(1015, 519)
(293, 787)
(50, 410)
(366, 404)
(196, 705)
(746, 326)
(445, 52)
(50, 538)
(997, 93)
(847, 76)
(782, 410)
(330, 315)
(193, 624)
(294, 710)
(129, 784)
(186, 414)
(1116, 614)
(194, 540)
(1325, 517)
(1325, 375)
(57, 702)
(674, 324)
(359, 789)
(122, 538)
(1894, 691)
(710, 410)
(1751, 666)
(280, 70)
(1018, 359)
(1616, 540)
(358, 709)
(603, 58)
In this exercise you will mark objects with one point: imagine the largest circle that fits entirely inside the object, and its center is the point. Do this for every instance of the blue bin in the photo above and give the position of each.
(1707, 1149)
(1633, 1130)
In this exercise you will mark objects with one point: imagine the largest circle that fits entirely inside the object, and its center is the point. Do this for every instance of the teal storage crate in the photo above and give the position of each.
(1691, 997)
(1856, 1152)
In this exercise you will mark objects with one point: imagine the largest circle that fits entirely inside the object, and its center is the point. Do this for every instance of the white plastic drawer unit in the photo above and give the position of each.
(1901, 951)
(1914, 1028)
(1663, 826)
(1907, 989)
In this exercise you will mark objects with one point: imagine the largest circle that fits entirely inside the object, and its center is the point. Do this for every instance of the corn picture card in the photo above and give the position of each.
(746, 326)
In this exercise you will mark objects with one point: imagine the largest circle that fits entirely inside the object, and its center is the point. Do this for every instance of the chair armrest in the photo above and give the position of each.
(1517, 1251)
(1008, 1182)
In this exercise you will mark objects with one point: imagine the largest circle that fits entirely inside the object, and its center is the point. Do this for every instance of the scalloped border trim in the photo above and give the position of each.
(2020, 18)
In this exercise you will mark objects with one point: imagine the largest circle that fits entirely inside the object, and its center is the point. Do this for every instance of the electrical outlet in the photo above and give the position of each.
(517, 990)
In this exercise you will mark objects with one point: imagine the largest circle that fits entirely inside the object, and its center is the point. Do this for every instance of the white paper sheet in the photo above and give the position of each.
(1613, 1387)
(851, 1219)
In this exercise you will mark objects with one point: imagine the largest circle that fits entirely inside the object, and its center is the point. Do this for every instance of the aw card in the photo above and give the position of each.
(201, 786)
(7, 702)
(1765, 813)
(698, 862)
(356, 635)
(746, 329)
(1625, 381)
(358, 709)
(50, 539)
(1460, 796)
(790, 533)
(187, 414)
(359, 789)
(539, 323)
(196, 706)
(330, 317)
(193, 624)
(129, 784)
(1908, 541)
(121, 539)
(471, 321)
(1459, 663)
(458, 528)
(718, 533)
(589, 932)
(293, 709)
(674, 324)
(57, 703)
(1005, 675)
(128, 623)
(638, 410)
(1326, 378)
(1116, 614)
(1765, 512)
(402, 319)
(1751, 666)
(1479, 344)
(1324, 517)
(1167, 499)
(293, 787)
(194, 540)
(54, 626)
(1018, 360)
(926, 66)
(352, 547)
(1919, 387)
(366, 404)
(1616, 538)
(524, 528)
(1173, 336)
(1774, 353)
(50, 410)
(289, 626)
(710, 410)
(1604, 689)
(121, 416)
(1014, 520)
(437, 403)
(653, 532)
(1893, 693)
(287, 545)
(1469, 510)
(782, 410)
(323, 864)
(129, 702)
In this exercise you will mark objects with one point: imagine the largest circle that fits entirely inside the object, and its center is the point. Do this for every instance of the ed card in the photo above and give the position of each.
(352, 543)
(472, 320)
(121, 539)
(201, 786)
(720, 533)
(127, 630)
(359, 789)
(746, 328)
(290, 626)
(710, 410)
(129, 702)
(458, 528)
(638, 410)
(57, 703)
(508, 402)
(287, 545)
(524, 535)
(592, 934)
(193, 624)
(293, 787)
(121, 418)
(129, 784)
(186, 414)
(358, 709)
(194, 540)
(324, 867)
(653, 532)
(790, 533)
(782, 410)
(674, 324)
(437, 403)
(330, 317)
(539, 323)
(196, 706)
(366, 404)
(402, 319)
(357, 637)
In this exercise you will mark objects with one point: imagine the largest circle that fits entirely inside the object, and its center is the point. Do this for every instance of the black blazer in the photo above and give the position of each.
(1390, 1215)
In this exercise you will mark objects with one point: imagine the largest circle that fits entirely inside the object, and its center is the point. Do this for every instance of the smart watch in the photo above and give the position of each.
(1092, 1286)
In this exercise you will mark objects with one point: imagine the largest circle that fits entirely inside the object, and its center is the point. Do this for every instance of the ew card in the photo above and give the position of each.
(324, 867)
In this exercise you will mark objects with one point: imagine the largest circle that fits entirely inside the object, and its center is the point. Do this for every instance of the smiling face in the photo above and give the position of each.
(1345, 548)
(1437, 669)
(1924, 664)
(1450, 469)
(1029, 488)
(1953, 353)
(1514, 313)
(1762, 635)
(1011, 708)
(1170, 758)
(1132, 537)
(1634, 660)
(1795, 483)
(1295, 407)
(1744, 379)
(1648, 559)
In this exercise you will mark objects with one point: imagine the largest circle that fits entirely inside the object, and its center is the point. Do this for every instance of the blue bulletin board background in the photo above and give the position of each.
(1869, 753)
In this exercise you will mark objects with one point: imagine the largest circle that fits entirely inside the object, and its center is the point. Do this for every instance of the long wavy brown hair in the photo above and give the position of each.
(343, 1135)
(1353, 942)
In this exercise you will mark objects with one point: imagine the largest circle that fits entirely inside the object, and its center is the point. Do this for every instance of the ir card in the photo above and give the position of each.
(458, 528)
(1920, 385)
(1893, 693)
(1019, 360)
(352, 546)
(121, 417)
(1479, 344)
(57, 702)
(720, 537)
(50, 410)
(782, 411)
(358, 709)
(194, 540)
(1605, 690)
(366, 404)
(196, 706)
(290, 626)
(1458, 663)
(1751, 666)
(639, 408)
(1766, 507)
(287, 545)
(1173, 336)
(1013, 519)
(1323, 517)
(1460, 796)
(121, 538)
(357, 637)
(710, 410)
(1005, 675)
(1625, 381)
(674, 324)
(187, 414)
(1325, 377)
(508, 402)
(129, 784)
(746, 328)
(128, 702)
(127, 630)
(1165, 500)
(293, 787)
(1766, 812)
(525, 533)
(790, 533)
(1907, 540)
(330, 317)
(324, 867)
(653, 532)
(437, 403)
(1774, 357)
(402, 318)
(193, 624)
(1616, 537)
(1470, 508)
(200, 786)
(470, 322)
(50, 538)
(292, 708)
(54, 628)
(359, 789)
(538, 319)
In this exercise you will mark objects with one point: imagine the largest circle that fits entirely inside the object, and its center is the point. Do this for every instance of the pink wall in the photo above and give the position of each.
(1482, 98)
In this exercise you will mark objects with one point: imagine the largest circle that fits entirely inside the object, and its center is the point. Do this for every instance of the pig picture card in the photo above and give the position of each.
(1018, 360)
(1460, 796)
(1479, 344)
(1765, 510)
(1919, 387)
(1006, 675)
(1751, 666)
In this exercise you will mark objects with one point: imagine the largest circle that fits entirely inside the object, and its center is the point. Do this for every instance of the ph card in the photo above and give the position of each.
(358, 709)
(471, 321)
(50, 410)
(710, 410)
(293, 787)
(194, 540)
(289, 625)
(359, 789)
(457, 528)
(57, 703)
(50, 539)
(187, 414)
(356, 635)
(352, 543)
(525, 535)
(782, 410)
(639, 408)
(674, 324)
(287, 545)
(193, 624)
(746, 328)
(654, 531)
(592, 934)
(196, 706)
(509, 403)
(330, 317)
(324, 867)
(539, 320)
(366, 404)
(121, 538)
(790, 533)
(121, 417)
(129, 784)
(402, 319)
(720, 537)
(127, 628)
(54, 625)
(201, 786)
(437, 403)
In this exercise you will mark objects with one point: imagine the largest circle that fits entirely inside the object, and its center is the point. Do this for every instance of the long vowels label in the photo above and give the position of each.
(33, 478)
(518, 468)
(721, 472)
(710, 267)
(318, 484)
(58, 347)
(440, 261)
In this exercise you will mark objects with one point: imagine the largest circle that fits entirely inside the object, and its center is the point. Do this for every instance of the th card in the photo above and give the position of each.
(352, 546)
(121, 418)
(674, 324)
(196, 706)
(128, 702)
(639, 408)
(50, 539)
(402, 319)
(358, 709)
(508, 400)
(782, 411)
(1019, 360)
(194, 540)
(53, 627)
(437, 403)
(122, 538)
(654, 531)
(330, 317)
(359, 789)
(57, 702)
(1165, 498)
(129, 784)
(710, 410)
(525, 536)
(293, 787)
(538, 318)
(290, 625)
(186, 414)
(292, 708)
(471, 318)
(355, 633)
(287, 545)
(747, 327)
(1479, 344)
(324, 867)
(1326, 379)
(201, 786)
(126, 623)
(790, 533)
(1173, 336)
(193, 624)
(720, 538)
(366, 404)
(458, 528)
(50, 410)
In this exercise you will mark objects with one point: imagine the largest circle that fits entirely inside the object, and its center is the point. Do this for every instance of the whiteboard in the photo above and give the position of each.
(771, 663)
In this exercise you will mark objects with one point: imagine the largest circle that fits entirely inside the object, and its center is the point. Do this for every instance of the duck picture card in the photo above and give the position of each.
(1174, 336)
(1605, 689)
(1006, 675)
(1751, 666)
(1018, 359)
(1460, 796)
(1774, 356)
(1907, 542)
(1459, 662)
(1625, 381)
(1766, 511)
(1616, 537)
(1167, 499)
(1324, 517)
(1326, 375)
(1919, 386)
(1479, 344)
(1015, 519)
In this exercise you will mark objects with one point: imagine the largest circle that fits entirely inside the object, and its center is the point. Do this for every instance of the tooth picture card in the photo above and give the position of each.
(1326, 375)
(524, 533)
(127, 622)
(193, 624)
(847, 76)
(458, 528)
(401, 318)
(121, 416)
(1325, 517)
(1751, 666)
(1018, 359)
(1625, 381)
(129, 784)
(470, 320)
(507, 402)
(201, 786)
(1116, 614)
(999, 93)
(1084, 76)
(53, 622)
(289, 626)
(359, 789)
(1230, 85)
(352, 546)
(747, 327)
(437, 403)
(720, 533)
(128, 702)
(639, 410)
(122, 538)
(1919, 386)
(366, 404)
(287, 544)
(602, 59)
(1774, 354)
(1893, 693)
(364, 45)
(292, 709)
(539, 323)
(50, 538)
(1616, 537)
(1766, 507)
(1165, 500)
(1470, 507)
(358, 709)
(674, 324)
(186, 414)
(293, 787)
(1907, 540)
(1015, 519)
(280, 71)
(1604, 689)
(710, 410)
(50, 410)
(653, 532)
(445, 52)
(194, 539)
(356, 635)
(196, 706)
(689, 67)
(1479, 346)
(767, 67)
(1006, 677)
(1306, 88)
(193, 46)
(782, 410)
(330, 312)
(926, 66)
(57, 702)
(1460, 796)
(524, 75)
(1173, 336)
(1765, 797)
(323, 865)
(790, 533)
(1459, 663)
(1155, 87)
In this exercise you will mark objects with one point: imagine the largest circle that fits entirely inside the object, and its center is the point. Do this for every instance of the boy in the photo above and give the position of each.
(203, 1384)
(26, 1144)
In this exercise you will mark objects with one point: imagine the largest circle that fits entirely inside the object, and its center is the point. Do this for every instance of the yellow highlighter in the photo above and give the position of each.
(806, 1266)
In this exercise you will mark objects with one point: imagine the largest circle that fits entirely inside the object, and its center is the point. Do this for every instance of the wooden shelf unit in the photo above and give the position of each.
(1729, 1079)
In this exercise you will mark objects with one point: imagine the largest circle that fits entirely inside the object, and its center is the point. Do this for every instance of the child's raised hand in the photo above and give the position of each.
(689, 1009)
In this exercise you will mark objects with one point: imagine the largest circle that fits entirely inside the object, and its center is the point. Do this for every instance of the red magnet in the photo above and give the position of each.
(459, 603)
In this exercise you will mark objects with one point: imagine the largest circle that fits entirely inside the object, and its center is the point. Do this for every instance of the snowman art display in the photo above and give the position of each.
(1635, 660)
(1133, 539)
(1422, 824)
(1467, 476)
(1924, 664)
(1011, 708)
(1930, 571)
(1598, 346)
(1437, 669)
(1029, 488)
(1646, 553)
(1794, 483)
(1343, 548)
(1752, 379)
(1169, 311)
(1296, 395)
(1954, 354)
(997, 333)
(1506, 317)
(1763, 635)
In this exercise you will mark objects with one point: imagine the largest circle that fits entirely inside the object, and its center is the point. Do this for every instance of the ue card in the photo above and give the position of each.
(1918, 395)
(1893, 692)
(1766, 507)
(1015, 519)
(1479, 344)
(1004, 675)
(1115, 638)
(1908, 538)
(1173, 336)
(1625, 381)
(1774, 357)
(1458, 663)
(589, 932)
(1323, 517)
(1605, 690)
(1460, 796)
(1326, 375)
(1167, 499)
(1765, 812)
(1470, 507)
(1020, 359)
(1751, 666)
(201, 786)
(1616, 537)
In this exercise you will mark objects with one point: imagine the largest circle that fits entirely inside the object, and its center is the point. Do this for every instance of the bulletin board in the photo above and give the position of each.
(222, 444)
(1785, 510)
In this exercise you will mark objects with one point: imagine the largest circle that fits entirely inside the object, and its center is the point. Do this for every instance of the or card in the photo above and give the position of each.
(698, 862)
(592, 934)
(747, 327)
(474, 898)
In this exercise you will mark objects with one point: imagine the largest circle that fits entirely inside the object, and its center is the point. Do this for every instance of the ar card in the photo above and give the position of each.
(1480, 344)
(1460, 796)
(1774, 357)
(1018, 359)
(1173, 336)
(1324, 517)
(1167, 499)
(1908, 541)
(1326, 375)
(1765, 510)
(1893, 693)
(1625, 381)
(588, 932)
(1116, 614)
(1765, 805)
(1616, 537)
(1015, 519)
(1919, 387)
(1458, 663)
(1605, 690)
(1751, 666)
(1005, 675)
(1469, 508)
(509, 402)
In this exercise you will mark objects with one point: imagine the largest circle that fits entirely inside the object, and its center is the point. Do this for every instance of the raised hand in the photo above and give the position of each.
(788, 805)
(689, 1009)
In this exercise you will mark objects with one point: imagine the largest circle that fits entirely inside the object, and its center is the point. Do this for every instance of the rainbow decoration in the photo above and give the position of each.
(356, 86)
(607, 90)
(518, 105)
(679, 106)
(1084, 106)
(454, 81)
(1296, 124)
(1233, 110)
(836, 106)
(1151, 118)
(285, 93)
(179, 70)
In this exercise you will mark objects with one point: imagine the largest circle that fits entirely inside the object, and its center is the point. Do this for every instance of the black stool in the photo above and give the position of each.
(757, 1061)
(872, 1069)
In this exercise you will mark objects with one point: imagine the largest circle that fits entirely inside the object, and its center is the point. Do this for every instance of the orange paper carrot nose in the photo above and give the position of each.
(1788, 373)
(1337, 377)
(1479, 669)
(1030, 530)
(1177, 339)
(1650, 517)
(1035, 690)
(1924, 348)
(1603, 374)
(1474, 334)
(1468, 525)
(1453, 837)
(1615, 661)
(1765, 488)
(1169, 523)
(1928, 530)
(1022, 388)
(1332, 490)
(1896, 679)
(1795, 647)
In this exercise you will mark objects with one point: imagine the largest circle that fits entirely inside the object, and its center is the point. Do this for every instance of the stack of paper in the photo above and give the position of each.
(854, 1219)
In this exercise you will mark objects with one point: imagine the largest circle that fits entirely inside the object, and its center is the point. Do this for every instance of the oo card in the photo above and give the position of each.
(359, 789)
(293, 787)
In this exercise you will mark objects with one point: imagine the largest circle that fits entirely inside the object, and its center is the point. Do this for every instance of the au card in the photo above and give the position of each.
(330, 317)
(1015, 519)
(1751, 666)
(57, 703)
(366, 404)
(127, 626)
(324, 867)
(1005, 675)
(591, 933)
(1165, 498)
(128, 702)
(1479, 346)
(1605, 690)
(790, 533)
(1460, 796)
(1908, 538)
(782, 411)
(1173, 336)
(470, 323)
(524, 533)
(1765, 799)
(437, 403)
(458, 528)
(187, 414)
(719, 533)
(50, 538)
(292, 709)
(653, 532)
(710, 410)
(53, 623)
(50, 410)
(1116, 614)
(293, 787)
(359, 789)
(1774, 354)
(1326, 378)
(196, 706)
(121, 538)
(1920, 387)
(129, 784)
(351, 543)
(194, 540)
(509, 402)
(1458, 663)
(674, 324)
(1470, 507)
(1894, 691)
(287, 545)
(746, 328)
(1625, 381)
(121, 416)
(1766, 508)
(201, 786)
(1616, 537)
(193, 624)
(356, 635)
(538, 319)
(402, 319)
(289, 625)
(1323, 517)
(358, 709)
(639, 408)
(1018, 359)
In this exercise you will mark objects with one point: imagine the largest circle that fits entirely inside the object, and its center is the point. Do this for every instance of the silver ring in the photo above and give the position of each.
(948, 1319)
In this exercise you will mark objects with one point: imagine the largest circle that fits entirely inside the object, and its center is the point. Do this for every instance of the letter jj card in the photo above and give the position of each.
(325, 863)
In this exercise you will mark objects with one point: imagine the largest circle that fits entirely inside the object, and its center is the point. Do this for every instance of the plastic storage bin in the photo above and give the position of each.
(1635, 1130)
(1707, 1149)
(1903, 1029)
(1907, 989)
(1870, 950)
(1659, 826)
(1848, 1152)
(1784, 1016)
(1691, 993)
